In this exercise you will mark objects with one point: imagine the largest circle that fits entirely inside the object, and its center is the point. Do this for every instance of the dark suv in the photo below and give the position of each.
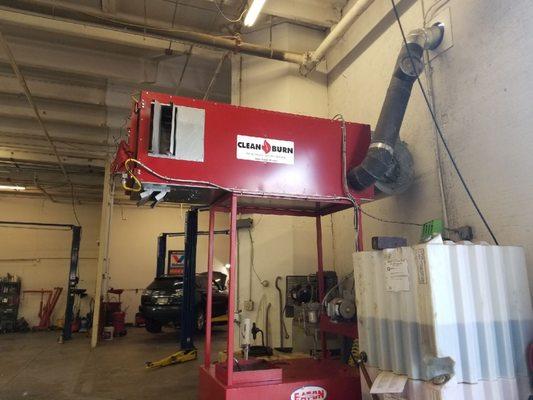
(162, 299)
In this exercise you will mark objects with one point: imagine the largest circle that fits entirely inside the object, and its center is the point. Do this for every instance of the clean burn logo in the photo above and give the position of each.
(309, 393)
(265, 150)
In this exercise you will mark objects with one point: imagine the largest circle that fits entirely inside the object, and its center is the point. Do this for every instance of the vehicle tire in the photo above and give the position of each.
(200, 321)
(153, 326)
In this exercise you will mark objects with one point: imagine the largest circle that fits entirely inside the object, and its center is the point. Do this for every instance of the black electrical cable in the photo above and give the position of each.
(439, 131)
(389, 221)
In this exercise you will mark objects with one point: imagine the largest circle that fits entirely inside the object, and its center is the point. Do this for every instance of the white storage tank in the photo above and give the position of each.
(456, 313)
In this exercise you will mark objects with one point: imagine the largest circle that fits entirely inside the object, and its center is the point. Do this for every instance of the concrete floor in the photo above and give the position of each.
(35, 366)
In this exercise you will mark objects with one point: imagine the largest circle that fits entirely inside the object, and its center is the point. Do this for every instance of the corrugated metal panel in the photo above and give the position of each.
(499, 389)
(445, 309)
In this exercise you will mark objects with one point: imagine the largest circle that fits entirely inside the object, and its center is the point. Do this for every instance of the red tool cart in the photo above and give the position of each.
(241, 160)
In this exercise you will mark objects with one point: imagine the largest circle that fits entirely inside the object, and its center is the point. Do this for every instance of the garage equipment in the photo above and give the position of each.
(112, 313)
(187, 324)
(177, 358)
(240, 160)
(73, 268)
(9, 302)
(283, 334)
(79, 295)
(187, 350)
(46, 308)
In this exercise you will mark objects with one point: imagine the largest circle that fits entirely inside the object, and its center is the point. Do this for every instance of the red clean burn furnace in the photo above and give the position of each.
(242, 160)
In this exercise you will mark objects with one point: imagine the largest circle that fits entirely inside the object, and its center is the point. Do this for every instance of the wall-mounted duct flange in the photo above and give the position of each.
(443, 17)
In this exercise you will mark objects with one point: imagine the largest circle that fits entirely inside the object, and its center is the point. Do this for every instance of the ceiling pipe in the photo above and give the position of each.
(232, 43)
(312, 59)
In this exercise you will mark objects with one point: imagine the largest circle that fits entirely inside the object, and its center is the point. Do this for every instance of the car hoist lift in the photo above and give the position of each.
(73, 278)
(187, 350)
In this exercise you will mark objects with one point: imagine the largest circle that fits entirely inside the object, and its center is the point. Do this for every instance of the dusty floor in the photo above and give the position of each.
(35, 366)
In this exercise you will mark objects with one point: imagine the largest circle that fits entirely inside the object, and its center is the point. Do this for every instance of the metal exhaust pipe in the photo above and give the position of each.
(380, 161)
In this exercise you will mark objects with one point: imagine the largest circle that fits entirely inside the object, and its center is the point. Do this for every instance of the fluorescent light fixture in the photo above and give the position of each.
(253, 12)
(12, 187)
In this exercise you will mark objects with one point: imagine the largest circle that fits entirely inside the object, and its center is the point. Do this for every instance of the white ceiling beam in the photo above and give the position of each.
(47, 157)
(44, 92)
(109, 6)
(47, 89)
(93, 32)
(61, 60)
(51, 178)
(38, 148)
(69, 8)
(17, 106)
(63, 130)
(21, 138)
(321, 13)
(80, 197)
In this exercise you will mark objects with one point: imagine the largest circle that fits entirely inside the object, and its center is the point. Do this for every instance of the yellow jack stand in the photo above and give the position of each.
(222, 318)
(176, 358)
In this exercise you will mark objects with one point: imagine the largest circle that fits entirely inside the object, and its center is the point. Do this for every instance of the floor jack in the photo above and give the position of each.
(188, 352)
(182, 355)
(177, 358)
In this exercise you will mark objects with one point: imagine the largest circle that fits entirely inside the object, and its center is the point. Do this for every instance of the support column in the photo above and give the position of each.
(232, 284)
(161, 254)
(188, 306)
(320, 277)
(103, 250)
(72, 282)
(209, 312)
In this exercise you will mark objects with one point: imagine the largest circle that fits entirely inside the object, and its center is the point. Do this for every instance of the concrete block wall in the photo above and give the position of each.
(482, 90)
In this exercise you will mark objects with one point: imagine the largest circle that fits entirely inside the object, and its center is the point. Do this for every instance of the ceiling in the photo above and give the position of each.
(85, 60)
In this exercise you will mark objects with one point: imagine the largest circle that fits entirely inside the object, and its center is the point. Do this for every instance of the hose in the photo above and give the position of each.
(282, 327)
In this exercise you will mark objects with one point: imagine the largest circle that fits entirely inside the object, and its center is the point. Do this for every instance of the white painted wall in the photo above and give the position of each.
(133, 247)
(282, 245)
(41, 258)
(357, 91)
(482, 88)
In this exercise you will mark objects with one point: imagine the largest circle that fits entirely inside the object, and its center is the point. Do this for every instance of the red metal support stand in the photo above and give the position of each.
(209, 313)
(320, 272)
(232, 283)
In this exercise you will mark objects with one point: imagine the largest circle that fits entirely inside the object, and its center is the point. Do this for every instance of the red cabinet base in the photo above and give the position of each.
(301, 379)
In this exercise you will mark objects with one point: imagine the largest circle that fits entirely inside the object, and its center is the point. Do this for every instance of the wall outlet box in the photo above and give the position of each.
(248, 305)
(245, 223)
